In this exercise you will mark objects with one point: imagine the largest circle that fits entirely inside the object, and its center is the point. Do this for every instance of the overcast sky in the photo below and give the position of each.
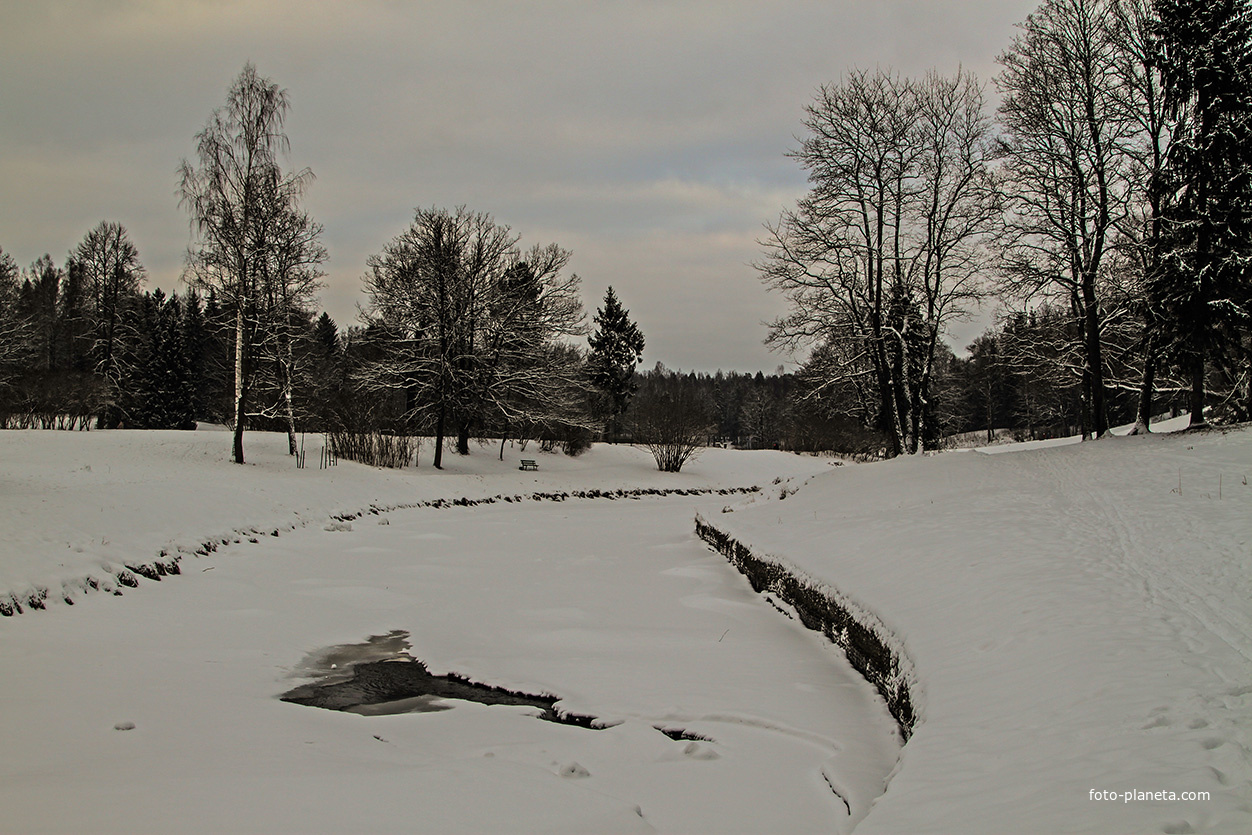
(647, 137)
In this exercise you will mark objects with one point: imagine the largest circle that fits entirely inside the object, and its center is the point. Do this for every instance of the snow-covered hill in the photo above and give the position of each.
(1078, 618)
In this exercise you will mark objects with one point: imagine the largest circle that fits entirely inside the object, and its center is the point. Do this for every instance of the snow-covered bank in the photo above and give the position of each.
(77, 508)
(870, 647)
(1079, 620)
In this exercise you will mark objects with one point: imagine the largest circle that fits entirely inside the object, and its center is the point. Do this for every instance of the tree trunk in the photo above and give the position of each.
(1095, 359)
(1247, 401)
(439, 438)
(1084, 406)
(240, 387)
(991, 435)
(289, 365)
(462, 438)
(1147, 387)
(1197, 393)
(889, 419)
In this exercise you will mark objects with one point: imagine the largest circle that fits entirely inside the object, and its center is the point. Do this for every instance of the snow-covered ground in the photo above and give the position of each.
(79, 506)
(1079, 618)
(612, 605)
(1076, 618)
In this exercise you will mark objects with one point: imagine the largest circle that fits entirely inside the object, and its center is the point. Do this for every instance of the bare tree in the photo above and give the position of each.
(470, 320)
(759, 417)
(290, 276)
(672, 416)
(959, 205)
(1140, 93)
(1066, 173)
(111, 271)
(887, 247)
(524, 378)
(15, 332)
(232, 195)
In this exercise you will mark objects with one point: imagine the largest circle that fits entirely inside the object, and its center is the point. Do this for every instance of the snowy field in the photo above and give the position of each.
(1077, 620)
(612, 605)
(80, 506)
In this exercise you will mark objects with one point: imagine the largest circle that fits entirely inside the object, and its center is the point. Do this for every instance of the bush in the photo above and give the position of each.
(671, 416)
(375, 449)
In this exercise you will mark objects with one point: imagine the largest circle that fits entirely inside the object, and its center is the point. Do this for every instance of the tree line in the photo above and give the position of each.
(460, 338)
(1107, 204)
(466, 333)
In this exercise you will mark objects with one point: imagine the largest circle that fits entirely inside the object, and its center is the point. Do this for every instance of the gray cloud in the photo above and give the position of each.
(646, 136)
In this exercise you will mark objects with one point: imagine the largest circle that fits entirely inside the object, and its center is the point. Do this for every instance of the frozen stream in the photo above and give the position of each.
(614, 606)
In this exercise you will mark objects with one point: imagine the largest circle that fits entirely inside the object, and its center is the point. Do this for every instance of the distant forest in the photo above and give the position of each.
(1105, 208)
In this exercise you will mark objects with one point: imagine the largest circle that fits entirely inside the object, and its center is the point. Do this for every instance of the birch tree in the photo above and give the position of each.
(231, 193)
(290, 274)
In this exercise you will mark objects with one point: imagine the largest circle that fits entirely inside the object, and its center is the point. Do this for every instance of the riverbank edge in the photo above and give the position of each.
(872, 649)
(112, 578)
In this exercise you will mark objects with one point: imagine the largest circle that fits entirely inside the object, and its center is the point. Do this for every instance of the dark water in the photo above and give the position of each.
(379, 677)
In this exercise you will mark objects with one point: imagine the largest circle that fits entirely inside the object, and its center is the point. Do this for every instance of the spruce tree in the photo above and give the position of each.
(1205, 54)
(616, 348)
(195, 339)
(327, 381)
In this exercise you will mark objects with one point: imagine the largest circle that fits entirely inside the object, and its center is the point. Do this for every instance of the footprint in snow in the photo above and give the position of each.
(574, 770)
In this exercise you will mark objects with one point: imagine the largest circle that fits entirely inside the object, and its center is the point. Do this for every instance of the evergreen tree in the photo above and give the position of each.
(325, 336)
(616, 348)
(37, 303)
(1205, 54)
(216, 350)
(326, 383)
(195, 341)
(171, 383)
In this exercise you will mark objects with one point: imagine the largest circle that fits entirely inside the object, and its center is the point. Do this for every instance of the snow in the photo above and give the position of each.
(1074, 618)
(158, 711)
(79, 505)
(1077, 624)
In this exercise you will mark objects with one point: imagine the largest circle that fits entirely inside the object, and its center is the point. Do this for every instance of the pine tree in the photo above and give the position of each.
(616, 348)
(1205, 53)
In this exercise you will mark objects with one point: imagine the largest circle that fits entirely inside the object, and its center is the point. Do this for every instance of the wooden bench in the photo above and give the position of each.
(528, 464)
